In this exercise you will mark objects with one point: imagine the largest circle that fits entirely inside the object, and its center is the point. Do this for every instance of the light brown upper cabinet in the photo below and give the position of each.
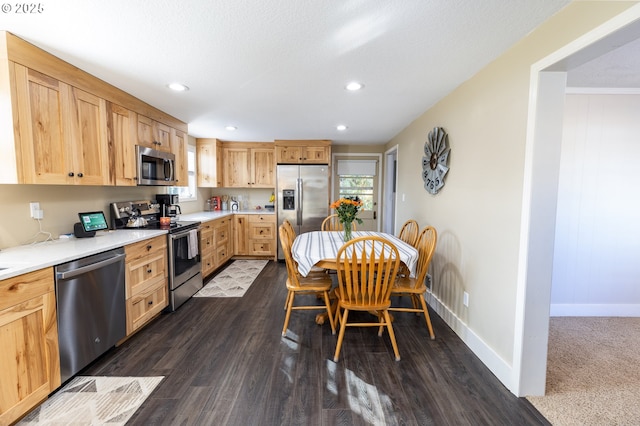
(153, 134)
(209, 156)
(248, 165)
(123, 131)
(303, 152)
(71, 128)
(179, 148)
(63, 132)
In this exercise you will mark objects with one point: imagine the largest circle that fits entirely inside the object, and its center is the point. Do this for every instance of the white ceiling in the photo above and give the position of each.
(276, 69)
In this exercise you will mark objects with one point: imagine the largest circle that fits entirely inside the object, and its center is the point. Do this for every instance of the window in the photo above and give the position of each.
(360, 186)
(356, 179)
(187, 193)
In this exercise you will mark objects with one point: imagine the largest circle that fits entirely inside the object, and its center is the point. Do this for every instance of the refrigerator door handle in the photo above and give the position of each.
(299, 210)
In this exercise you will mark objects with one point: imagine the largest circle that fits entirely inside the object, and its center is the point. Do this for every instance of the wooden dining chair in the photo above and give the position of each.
(297, 284)
(291, 232)
(366, 269)
(332, 223)
(416, 287)
(409, 232)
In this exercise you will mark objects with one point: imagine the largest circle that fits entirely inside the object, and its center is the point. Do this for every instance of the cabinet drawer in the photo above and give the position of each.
(151, 300)
(207, 241)
(207, 227)
(261, 247)
(262, 218)
(208, 264)
(262, 231)
(143, 248)
(222, 254)
(222, 234)
(24, 287)
(141, 271)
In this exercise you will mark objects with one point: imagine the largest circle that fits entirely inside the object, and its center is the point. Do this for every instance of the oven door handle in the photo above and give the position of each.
(175, 236)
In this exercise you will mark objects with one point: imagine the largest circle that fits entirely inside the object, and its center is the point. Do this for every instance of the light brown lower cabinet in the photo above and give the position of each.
(223, 239)
(29, 353)
(262, 235)
(240, 234)
(215, 244)
(255, 235)
(146, 287)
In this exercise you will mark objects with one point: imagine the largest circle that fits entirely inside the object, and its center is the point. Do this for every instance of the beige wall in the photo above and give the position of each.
(477, 213)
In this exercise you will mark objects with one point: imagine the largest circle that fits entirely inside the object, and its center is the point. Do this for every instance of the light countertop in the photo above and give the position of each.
(22, 259)
(207, 216)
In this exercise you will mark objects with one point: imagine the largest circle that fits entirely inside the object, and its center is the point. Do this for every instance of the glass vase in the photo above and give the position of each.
(347, 231)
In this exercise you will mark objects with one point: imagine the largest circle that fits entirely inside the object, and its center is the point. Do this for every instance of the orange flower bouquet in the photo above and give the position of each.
(347, 209)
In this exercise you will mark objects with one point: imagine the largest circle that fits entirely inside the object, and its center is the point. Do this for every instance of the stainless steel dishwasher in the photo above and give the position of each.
(91, 308)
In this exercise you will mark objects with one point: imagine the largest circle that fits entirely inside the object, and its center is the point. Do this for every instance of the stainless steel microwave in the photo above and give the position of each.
(155, 168)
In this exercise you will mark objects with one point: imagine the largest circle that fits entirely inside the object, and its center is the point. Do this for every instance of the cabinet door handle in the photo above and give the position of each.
(149, 247)
(149, 270)
(80, 175)
(71, 174)
(151, 302)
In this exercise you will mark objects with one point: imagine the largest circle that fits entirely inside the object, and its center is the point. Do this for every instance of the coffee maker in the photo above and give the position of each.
(169, 206)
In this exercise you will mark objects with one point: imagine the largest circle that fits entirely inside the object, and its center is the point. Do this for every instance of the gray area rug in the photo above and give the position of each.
(234, 280)
(96, 400)
(592, 372)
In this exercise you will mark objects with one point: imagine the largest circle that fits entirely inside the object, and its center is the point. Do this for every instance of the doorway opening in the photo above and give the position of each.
(542, 161)
(390, 179)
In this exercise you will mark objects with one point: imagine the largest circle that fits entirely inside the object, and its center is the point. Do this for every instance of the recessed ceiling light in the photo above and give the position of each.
(341, 127)
(354, 85)
(178, 87)
(231, 128)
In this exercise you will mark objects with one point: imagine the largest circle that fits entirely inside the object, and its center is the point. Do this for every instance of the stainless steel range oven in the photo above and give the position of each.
(185, 278)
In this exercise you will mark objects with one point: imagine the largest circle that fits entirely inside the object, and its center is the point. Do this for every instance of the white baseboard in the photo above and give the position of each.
(498, 366)
(594, 310)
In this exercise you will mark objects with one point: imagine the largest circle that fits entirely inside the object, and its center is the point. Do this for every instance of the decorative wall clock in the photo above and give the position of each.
(434, 163)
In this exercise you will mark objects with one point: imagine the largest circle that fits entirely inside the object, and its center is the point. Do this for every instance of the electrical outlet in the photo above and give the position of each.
(465, 299)
(34, 207)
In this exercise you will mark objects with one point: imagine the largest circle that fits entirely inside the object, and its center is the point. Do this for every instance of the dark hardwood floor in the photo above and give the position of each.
(226, 363)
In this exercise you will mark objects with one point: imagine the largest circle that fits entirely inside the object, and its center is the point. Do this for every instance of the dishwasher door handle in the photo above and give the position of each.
(88, 268)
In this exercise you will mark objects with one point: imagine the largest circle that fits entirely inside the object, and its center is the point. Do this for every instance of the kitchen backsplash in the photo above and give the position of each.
(61, 204)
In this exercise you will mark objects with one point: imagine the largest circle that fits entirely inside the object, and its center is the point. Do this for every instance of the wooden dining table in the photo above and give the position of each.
(320, 248)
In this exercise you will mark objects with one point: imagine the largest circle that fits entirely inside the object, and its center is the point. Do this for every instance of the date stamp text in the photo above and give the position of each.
(22, 8)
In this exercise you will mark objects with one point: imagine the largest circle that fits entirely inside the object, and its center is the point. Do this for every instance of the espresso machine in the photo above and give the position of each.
(169, 206)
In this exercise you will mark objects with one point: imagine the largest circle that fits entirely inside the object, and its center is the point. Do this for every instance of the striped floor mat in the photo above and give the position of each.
(234, 280)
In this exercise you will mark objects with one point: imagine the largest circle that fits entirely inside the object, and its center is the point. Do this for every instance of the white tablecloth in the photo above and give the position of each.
(311, 247)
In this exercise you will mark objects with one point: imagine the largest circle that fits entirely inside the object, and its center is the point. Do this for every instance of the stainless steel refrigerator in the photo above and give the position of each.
(303, 197)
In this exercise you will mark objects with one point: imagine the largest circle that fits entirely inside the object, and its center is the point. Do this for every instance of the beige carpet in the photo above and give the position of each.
(593, 372)
(234, 280)
(94, 400)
